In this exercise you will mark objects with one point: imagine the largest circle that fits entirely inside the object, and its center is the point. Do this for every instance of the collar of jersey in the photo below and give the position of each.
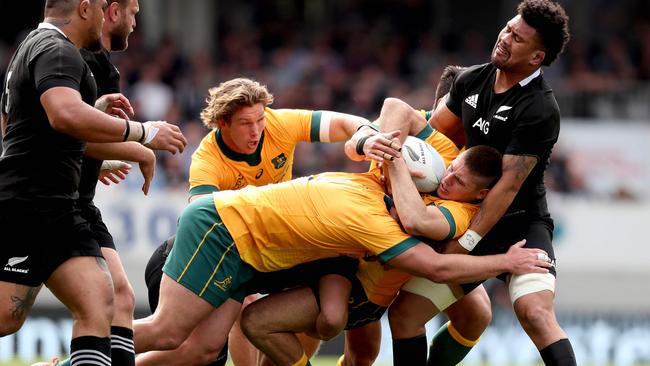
(530, 77)
(45, 25)
(251, 159)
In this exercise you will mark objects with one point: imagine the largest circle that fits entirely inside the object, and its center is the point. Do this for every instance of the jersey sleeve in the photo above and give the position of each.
(458, 214)
(205, 172)
(295, 124)
(537, 130)
(58, 64)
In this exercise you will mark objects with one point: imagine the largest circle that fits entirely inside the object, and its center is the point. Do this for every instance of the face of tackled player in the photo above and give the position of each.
(460, 184)
(244, 131)
(518, 48)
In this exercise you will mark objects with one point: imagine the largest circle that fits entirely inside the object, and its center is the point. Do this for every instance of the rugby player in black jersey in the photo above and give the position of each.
(47, 114)
(508, 105)
(119, 22)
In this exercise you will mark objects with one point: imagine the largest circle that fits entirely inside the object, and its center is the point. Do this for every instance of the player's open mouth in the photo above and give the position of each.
(253, 144)
(501, 51)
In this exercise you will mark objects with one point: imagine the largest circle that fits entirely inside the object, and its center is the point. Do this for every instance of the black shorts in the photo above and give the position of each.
(91, 213)
(537, 230)
(304, 274)
(37, 240)
(361, 310)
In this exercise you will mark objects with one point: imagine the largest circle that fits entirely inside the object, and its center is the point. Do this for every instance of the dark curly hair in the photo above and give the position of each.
(551, 23)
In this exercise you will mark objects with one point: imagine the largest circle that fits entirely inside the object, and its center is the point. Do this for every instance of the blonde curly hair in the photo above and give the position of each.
(230, 96)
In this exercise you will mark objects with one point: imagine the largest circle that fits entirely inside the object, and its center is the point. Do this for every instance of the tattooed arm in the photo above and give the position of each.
(515, 171)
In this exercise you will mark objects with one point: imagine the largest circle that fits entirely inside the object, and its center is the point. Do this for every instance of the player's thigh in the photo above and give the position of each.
(292, 310)
(409, 313)
(210, 335)
(84, 285)
(15, 303)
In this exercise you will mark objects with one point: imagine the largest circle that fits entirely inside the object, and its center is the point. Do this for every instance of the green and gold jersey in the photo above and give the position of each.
(280, 225)
(382, 284)
(216, 167)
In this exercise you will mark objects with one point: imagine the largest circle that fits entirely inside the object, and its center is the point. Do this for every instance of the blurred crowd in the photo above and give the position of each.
(365, 51)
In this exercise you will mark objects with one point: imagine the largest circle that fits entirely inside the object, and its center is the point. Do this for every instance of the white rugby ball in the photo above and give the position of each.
(420, 156)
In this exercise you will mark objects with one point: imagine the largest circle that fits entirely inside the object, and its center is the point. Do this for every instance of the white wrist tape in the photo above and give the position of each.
(111, 165)
(469, 240)
(150, 133)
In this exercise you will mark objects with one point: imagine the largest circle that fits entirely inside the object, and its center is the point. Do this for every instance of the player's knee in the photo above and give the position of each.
(535, 317)
(252, 324)
(397, 316)
(330, 324)
(124, 297)
(10, 325)
(363, 357)
(96, 311)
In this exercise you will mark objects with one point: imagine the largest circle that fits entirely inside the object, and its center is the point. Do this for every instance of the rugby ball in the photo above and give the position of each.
(420, 156)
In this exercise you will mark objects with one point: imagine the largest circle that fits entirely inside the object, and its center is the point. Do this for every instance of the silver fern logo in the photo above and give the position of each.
(14, 261)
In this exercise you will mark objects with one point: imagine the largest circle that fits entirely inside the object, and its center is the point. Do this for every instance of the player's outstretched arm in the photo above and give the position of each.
(67, 113)
(398, 115)
(342, 125)
(422, 261)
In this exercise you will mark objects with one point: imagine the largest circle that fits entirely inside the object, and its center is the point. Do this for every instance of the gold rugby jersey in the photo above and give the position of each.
(382, 284)
(280, 225)
(217, 167)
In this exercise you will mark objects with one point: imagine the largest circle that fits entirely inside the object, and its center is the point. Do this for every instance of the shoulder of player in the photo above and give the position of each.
(538, 102)
(281, 121)
(474, 72)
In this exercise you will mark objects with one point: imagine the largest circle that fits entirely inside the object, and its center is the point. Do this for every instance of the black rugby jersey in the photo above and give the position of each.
(108, 81)
(38, 163)
(524, 120)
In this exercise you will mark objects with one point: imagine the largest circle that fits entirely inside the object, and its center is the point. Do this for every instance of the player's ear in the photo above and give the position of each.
(84, 9)
(538, 58)
(113, 12)
(482, 194)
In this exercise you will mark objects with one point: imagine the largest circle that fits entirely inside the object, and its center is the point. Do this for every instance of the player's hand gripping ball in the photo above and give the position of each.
(422, 157)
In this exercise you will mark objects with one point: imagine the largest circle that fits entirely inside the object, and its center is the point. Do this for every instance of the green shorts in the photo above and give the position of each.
(205, 259)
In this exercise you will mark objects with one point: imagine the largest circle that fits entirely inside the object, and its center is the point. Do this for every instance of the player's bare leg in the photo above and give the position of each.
(203, 344)
(15, 301)
(261, 322)
(122, 352)
(469, 317)
(242, 352)
(179, 311)
(361, 345)
(407, 316)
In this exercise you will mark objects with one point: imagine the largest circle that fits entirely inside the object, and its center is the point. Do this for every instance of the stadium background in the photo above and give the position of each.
(348, 56)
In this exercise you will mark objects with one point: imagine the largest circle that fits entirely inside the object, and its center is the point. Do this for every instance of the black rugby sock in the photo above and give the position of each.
(122, 352)
(90, 351)
(559, 353)
(410, 351)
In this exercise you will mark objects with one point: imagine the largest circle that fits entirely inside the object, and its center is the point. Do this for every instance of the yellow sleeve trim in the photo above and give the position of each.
(459, 338)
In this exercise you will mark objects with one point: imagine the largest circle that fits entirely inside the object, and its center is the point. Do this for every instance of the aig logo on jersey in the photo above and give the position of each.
(13, 262)
(279, 161)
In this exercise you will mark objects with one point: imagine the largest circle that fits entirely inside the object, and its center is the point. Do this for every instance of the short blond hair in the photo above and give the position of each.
(226, 99)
